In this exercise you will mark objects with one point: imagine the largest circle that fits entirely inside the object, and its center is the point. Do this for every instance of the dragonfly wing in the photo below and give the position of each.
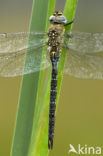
(84, 65)
(13, 47)
(86, 42)
(12, 42)
(35, 60)
(12, 64)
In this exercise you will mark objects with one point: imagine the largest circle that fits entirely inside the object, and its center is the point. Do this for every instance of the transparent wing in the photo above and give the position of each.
(12, 42)
(13, 48)
(84, 65)
(84, 42)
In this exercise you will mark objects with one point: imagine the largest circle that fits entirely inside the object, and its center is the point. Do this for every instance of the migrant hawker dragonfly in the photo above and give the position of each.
(85, 61)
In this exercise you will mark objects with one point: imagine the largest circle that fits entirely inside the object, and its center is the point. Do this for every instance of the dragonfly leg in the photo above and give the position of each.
(69, 23)
(66, 45)
(68, 35)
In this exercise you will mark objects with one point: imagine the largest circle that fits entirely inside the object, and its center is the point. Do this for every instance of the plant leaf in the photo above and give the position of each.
(24, 139)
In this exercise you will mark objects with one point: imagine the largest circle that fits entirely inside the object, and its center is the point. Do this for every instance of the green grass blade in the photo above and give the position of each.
(39, 139)
(24, 139)
(69, 12)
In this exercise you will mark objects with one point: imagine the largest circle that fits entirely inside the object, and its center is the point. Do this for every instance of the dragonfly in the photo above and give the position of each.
(84, 60)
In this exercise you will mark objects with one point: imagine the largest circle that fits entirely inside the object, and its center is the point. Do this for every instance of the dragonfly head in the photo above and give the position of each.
(57, 18)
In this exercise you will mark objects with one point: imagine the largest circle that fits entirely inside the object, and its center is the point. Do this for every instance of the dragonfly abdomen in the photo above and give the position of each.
(52, 107)
(52, 104)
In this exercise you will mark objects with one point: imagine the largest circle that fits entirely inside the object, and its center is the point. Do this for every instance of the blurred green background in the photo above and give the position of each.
(80, 111)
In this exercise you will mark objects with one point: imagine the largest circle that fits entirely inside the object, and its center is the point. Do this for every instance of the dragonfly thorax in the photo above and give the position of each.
(55, 34)
(55, 39)
(53, 42)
